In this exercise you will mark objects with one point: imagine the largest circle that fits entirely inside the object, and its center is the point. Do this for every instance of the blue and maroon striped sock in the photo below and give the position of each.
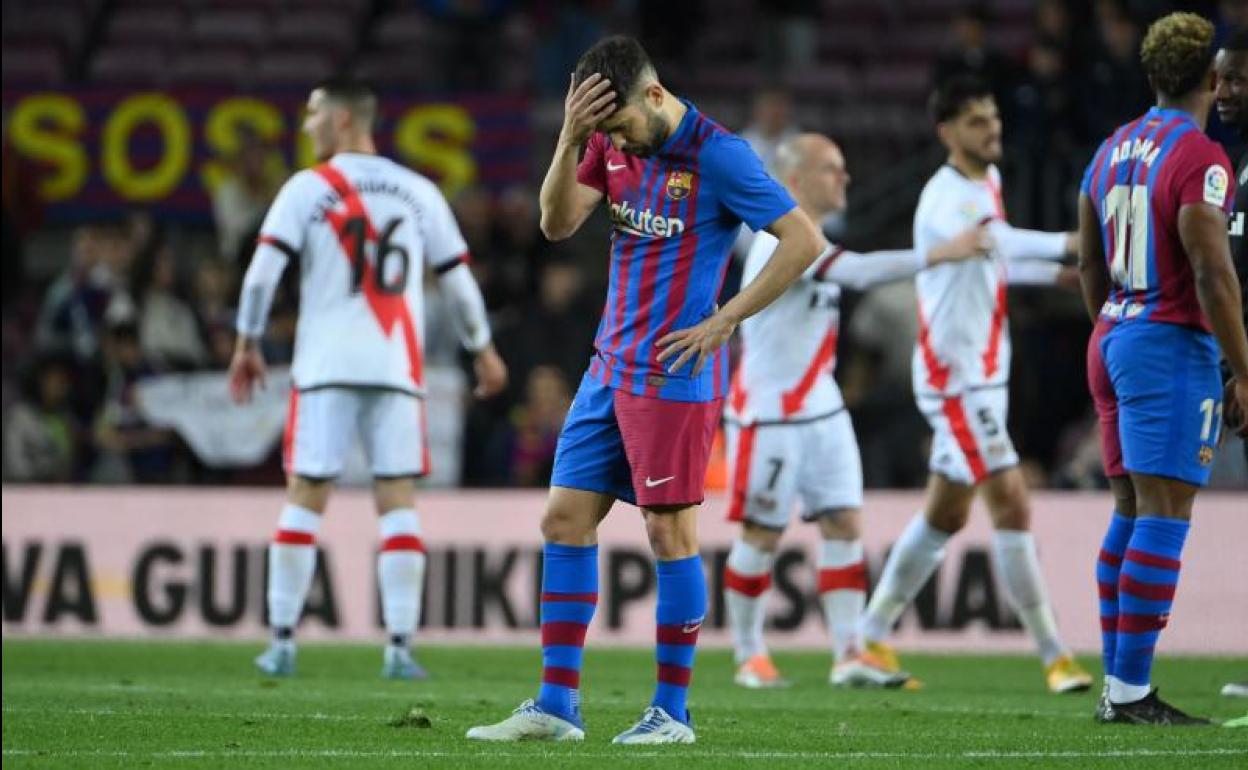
(1150, 573)
(569, 595)
(1108, 566)
(681, 610)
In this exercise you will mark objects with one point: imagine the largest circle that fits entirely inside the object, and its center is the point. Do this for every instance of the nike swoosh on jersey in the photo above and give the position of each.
(651, 483)
(613, 167)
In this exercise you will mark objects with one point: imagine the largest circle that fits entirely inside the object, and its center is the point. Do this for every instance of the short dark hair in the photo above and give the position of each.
(356, 96)
(1177, 52)
(618, 58)
(951, 95)
(1237, 41)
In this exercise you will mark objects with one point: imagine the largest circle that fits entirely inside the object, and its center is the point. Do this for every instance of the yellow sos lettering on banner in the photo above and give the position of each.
(46, 129)
(434, 137)
(55, 130)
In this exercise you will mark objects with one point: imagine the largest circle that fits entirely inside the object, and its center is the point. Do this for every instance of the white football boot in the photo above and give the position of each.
(278, 659)
(398, 664)
(529, 723)
(656, 726)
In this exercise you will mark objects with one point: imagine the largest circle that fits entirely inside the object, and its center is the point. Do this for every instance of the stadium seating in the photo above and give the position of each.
(291, 69)
(224, 66)
(244, 28)
(881, 50)
(60, 24)
(327, 32)
(124, 64)
(146, 26)
(33, 64)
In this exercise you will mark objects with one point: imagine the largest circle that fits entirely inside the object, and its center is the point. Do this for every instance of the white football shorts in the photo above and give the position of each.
(969, 441)
(322, 425)
(774, 464)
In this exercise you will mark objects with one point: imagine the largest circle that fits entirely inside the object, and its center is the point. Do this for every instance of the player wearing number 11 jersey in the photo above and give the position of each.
(362, 230)
(1157, 275)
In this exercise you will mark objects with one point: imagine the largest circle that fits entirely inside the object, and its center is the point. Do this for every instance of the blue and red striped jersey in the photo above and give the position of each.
(1139, 179)
(674, 217)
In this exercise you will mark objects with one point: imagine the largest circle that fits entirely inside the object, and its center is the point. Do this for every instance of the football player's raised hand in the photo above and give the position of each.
(585, 106)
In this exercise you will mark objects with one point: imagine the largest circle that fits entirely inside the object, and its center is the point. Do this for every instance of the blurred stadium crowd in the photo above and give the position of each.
(92, 308)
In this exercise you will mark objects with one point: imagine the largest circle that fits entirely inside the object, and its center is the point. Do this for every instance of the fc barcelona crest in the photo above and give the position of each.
(679, 183)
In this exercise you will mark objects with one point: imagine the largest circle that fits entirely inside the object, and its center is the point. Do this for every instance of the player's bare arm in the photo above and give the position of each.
(1093, 275)
(1202, 229)
(800, 243)
(565, 202)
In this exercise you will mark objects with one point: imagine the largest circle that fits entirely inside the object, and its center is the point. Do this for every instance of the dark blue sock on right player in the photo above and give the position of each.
(1146, 585)
(1108, 567)
(569, 596)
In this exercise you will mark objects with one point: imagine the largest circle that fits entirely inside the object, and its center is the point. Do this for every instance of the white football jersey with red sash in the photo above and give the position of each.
(961, 364)
(964, 338)
(362, 229)
(788, 351)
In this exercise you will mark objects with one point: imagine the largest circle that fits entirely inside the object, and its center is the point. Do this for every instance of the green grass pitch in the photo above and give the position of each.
(164, 704)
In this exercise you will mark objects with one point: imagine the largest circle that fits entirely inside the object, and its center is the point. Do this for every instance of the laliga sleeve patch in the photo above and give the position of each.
(1216, 184)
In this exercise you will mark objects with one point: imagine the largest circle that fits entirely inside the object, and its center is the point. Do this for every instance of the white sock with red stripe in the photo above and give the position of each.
(292, 560)
(1015, 551)
(842, 592)
(401, 573)
(915, 556)
(747, 587)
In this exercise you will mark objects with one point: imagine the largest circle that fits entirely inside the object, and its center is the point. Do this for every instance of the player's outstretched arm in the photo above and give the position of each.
(565, 202)
(1016, 243)
(1202, 230)
(1038, 272)
(862, 271)
(1093, 275)
(800, 243)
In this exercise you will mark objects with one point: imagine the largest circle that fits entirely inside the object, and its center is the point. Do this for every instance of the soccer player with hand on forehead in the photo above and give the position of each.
(678, 187)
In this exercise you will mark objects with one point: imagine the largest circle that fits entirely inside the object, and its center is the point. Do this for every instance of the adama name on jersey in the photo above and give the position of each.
(1135, 149)
(646, 222)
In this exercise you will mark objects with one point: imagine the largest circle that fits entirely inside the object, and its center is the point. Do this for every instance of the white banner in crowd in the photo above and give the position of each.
(223, 434)
(189, 563)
